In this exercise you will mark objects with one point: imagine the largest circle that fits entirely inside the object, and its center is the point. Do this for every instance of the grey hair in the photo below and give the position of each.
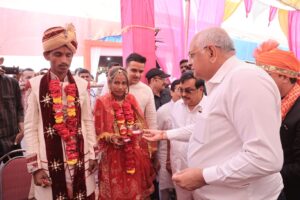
(214, 36)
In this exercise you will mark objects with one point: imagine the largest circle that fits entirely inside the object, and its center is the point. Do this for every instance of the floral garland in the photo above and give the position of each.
(66, 129)
(125, 120)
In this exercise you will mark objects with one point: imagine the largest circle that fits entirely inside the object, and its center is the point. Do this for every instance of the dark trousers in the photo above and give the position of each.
(155, 194)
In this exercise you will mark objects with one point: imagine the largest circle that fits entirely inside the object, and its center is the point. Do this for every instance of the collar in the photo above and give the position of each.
(198, 107)
(54, 76)
(218, 77)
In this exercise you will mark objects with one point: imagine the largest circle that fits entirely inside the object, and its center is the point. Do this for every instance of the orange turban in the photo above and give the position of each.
(270, 58)
(56, 37)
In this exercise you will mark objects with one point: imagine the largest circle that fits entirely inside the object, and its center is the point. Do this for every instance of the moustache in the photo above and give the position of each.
(63, 65)
(185, 98)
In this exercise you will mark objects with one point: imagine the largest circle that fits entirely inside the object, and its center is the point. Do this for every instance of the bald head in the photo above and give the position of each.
(209, 49)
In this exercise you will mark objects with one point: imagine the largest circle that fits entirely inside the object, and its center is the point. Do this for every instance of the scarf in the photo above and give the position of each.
(289, 100)
(54, 148)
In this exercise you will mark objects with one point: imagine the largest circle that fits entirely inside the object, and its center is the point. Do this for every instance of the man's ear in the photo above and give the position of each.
(46, 55)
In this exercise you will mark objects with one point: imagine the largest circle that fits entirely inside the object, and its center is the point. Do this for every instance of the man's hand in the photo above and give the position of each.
(92, 166)
(19, 137)
(117, 140)
(154, 135)
(189, 179)
(1, 71)
(41, 178)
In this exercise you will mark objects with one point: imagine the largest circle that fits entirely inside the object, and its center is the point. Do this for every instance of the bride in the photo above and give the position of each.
(125, 170)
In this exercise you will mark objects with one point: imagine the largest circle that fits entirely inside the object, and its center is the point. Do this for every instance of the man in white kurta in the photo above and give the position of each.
(184, 113)
(164, 122)
(234, 151)
(58, 173)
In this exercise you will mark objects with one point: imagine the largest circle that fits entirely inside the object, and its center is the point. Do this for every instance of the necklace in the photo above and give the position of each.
(67, 129)
(124, 118)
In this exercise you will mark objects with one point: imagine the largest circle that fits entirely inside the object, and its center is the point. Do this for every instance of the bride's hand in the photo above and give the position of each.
(118, 140)
(154, 135)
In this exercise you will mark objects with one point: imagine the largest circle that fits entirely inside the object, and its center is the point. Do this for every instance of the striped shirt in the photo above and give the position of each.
(11, 112)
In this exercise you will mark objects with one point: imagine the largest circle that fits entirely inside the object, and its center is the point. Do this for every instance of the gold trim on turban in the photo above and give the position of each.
(269, 57)
(56, 37)
(272, 68)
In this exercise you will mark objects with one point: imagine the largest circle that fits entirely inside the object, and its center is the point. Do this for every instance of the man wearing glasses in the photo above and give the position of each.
(184, 113)
(235, 150)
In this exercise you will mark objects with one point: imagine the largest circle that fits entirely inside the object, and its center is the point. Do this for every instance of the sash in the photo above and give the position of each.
(54, 148)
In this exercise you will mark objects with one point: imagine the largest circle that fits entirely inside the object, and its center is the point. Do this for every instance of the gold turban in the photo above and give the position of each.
(270, 58)
(56, 37)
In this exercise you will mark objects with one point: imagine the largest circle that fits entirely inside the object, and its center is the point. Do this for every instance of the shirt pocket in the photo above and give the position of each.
(202, 128)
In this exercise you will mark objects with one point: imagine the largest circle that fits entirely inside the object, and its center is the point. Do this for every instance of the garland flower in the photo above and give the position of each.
(124, 119)
(67, 129)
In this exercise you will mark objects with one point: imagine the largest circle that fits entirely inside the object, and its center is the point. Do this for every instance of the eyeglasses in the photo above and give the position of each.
(187, 90)
(193, 53)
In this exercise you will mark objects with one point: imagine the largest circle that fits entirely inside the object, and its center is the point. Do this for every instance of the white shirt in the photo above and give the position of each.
(182, 116)
(104, 89)
(236, 138)
(164, 122)
(145, 98)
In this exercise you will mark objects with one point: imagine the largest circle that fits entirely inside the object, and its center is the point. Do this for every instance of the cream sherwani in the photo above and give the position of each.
(34, 135)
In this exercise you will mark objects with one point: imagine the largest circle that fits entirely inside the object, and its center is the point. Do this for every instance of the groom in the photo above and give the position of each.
(59, 127)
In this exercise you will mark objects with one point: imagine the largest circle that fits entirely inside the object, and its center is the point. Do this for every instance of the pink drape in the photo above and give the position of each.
(294, 32)
(137, 19)
(248, 6)
(205, 14)
(170, 38)
(272, 14)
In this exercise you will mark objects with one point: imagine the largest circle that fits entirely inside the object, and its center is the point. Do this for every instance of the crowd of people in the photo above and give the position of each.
(225, 129)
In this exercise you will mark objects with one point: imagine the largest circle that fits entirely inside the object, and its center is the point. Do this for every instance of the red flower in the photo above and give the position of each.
(54, 86)
(71, 89)
(57, 107)
(68, 129)
(59, 127)
(124, 117)
(71, 122)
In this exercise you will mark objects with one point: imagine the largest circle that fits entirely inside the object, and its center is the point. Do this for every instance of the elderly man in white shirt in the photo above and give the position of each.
(234, 151)
(164, 122)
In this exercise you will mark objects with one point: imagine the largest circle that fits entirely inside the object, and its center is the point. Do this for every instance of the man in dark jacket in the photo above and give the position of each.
(11, 113)
(284, 68)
